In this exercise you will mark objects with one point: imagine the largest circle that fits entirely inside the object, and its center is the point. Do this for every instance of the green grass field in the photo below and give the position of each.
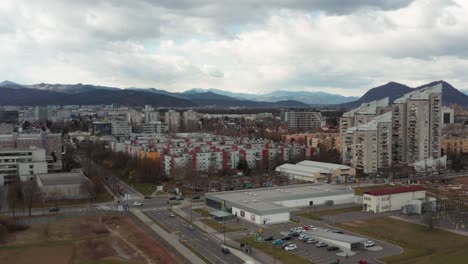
(318, 214)
(282, 255)
(217, 226)
(202, 212)
(421, 245)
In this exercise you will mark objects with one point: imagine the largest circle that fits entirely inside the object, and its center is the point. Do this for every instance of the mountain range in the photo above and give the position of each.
(82, 94)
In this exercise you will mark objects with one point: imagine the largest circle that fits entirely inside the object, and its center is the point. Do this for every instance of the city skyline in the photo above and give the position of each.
(250, 47)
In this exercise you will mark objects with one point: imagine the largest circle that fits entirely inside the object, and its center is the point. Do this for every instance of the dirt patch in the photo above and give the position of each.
(85, 239)
(39, 254)
(462, 180)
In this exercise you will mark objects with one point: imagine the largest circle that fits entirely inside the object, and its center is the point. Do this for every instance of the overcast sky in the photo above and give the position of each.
(253, 46)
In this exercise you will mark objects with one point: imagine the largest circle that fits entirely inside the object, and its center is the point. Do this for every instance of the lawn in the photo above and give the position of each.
(202, 212)
(100, 198)
(318, 214)
(282, 255)
(143, 188)
(421, 245)
(359, 191)
(217, 226)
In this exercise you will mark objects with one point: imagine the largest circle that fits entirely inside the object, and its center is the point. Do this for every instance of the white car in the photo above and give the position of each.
(369, 243)
(137, 204)
(291, 247)
(312, 227)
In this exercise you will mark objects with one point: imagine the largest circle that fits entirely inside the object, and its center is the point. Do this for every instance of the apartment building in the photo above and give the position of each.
(416, 125)
(297, 119)
(154, 127)
(172, 119)
(121, 128)
(368, 146)
(190, 120)
(361, 115)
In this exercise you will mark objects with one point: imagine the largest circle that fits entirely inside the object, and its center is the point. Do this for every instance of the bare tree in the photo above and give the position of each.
(14, 196)
(431, 219)
(31, 193)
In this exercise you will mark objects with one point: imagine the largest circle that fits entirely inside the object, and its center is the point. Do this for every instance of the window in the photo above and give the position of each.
(31, 166)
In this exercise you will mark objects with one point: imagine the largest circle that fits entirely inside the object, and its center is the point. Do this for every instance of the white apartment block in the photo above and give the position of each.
(416, 125)
(361, 115)
(296, 119)
(368, 146)
(154, 127)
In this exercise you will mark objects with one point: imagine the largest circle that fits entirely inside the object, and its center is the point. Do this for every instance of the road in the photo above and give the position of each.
(203, 243)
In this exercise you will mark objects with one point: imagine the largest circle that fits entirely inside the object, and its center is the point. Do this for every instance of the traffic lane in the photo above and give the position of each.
(202, 243)
(206, 245)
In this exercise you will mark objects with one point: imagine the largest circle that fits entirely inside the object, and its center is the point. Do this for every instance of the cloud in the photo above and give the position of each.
(335, 46)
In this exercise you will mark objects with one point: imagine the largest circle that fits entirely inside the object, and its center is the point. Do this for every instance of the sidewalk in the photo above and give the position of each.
(257, 256)
(189, 255)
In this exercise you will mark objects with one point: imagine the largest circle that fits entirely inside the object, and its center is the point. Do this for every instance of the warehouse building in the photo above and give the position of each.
(273, 205)
(67, 185)
(395, 199)
(317, 172)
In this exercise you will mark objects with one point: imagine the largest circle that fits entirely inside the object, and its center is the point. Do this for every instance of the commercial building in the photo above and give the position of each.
(69, 185)
(416, 125)
(304, 119)
(368, 146)
(317, 172)
(21, 164)
(273, 205)
(121, 128)
(395, 199)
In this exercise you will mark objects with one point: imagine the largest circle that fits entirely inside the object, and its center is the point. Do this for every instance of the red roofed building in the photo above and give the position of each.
(394, 199)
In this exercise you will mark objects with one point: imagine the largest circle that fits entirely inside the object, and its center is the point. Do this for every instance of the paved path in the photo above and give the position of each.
(169, 238)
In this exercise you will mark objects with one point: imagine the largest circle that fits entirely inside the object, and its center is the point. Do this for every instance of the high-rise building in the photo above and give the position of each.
(41, 113)
(172, 119)
(121, 128)
(190, 120)
(304, 119)
(416, 125)
(368, 146)
(361, 115)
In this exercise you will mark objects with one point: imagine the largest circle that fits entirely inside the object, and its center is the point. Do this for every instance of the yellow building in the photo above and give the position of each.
(452, 145)
(152, 155)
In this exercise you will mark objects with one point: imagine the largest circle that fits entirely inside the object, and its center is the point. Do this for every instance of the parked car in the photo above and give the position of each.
(321, 245)
(306, 228)
(293, 234)
(285, 245)
(225, 250)
(180, 198)
(191, 228)
(277, 242)
(363, 262)
(147, 197)
(172, 215)
(291, 247)
(303, 238)
(369, 243)
(333, 248)
(337, 231)
(268, 238)
(137, 204)
(287, 238)
(196, 197)
(311, 241)
(173, 198)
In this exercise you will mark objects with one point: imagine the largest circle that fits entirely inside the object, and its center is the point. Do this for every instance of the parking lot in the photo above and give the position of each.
(322, 255)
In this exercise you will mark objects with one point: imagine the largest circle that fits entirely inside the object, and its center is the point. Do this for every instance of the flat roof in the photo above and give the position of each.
(395, 190)
(267, 200)
(220, 213)
(62, 178)
(336, 236)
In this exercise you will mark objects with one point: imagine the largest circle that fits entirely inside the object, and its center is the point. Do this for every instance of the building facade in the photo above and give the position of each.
(380, 201)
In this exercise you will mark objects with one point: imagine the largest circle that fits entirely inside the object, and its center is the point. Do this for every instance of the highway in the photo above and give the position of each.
(203, 243)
